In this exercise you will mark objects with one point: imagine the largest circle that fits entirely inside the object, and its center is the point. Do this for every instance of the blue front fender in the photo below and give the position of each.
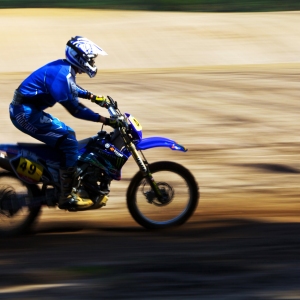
(157, 141)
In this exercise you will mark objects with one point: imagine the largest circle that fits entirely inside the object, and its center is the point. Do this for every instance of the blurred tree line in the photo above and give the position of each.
(161, 5)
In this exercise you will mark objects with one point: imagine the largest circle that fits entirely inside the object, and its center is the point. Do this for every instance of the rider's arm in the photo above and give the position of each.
(78, 110)
(82, 93)
(67, 95)
(100, 100)
(82, 112)
(64, 90)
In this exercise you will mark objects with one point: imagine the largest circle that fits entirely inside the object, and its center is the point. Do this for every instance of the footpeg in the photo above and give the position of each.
(103, 201)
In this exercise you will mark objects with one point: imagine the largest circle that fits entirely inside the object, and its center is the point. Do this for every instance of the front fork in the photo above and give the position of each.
(144, 168)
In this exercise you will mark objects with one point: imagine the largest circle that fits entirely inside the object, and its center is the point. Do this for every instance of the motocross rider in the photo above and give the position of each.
(52, 83)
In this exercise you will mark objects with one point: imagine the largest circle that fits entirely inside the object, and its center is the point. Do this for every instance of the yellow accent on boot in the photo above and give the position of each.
(80, 201)
(83, 202)
(104, 200)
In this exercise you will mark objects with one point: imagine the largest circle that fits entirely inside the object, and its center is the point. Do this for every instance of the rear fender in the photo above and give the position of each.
(158, 141)
(26, 169)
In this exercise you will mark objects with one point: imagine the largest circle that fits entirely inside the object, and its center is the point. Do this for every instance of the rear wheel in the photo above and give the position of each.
(17, 209)
(179, 201)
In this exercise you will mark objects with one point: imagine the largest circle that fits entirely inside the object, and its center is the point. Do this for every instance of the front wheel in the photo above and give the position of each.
(17, 209)
(180, 196)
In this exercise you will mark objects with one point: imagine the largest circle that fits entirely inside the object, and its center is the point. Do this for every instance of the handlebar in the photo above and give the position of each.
(114, 111)
(113, 102)
(113, 106)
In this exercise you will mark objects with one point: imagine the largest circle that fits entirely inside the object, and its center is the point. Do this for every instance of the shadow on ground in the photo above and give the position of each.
(211, 259)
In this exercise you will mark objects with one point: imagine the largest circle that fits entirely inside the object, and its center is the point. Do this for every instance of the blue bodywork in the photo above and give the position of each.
(108, 157)
(157, 141)
(43, 151)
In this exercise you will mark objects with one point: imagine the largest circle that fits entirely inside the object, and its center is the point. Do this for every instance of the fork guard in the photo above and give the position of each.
(157, 141)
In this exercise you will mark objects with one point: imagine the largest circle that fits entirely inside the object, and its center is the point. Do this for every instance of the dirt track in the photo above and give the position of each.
(240, 124)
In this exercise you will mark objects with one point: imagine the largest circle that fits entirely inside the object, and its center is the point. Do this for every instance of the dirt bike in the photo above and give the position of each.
(160, 195)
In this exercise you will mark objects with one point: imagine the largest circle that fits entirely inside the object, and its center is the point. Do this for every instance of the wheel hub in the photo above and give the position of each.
(167, 194)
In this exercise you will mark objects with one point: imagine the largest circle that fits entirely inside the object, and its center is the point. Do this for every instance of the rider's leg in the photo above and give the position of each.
(67, 178)
(68, 147)
(53, 132)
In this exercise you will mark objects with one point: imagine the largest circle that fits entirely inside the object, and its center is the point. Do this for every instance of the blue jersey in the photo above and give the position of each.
(56, 82)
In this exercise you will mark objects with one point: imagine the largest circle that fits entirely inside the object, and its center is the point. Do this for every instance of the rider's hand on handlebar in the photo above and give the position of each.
(113, 122)
(100, 100)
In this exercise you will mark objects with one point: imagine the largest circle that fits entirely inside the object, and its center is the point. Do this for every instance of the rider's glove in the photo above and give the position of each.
(100, 100)
(113, 122)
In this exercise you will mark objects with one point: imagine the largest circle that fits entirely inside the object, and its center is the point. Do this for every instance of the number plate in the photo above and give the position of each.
(135, 123)
(30, 169)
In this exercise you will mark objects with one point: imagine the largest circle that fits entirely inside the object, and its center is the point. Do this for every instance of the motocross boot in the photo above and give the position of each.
(68, 198)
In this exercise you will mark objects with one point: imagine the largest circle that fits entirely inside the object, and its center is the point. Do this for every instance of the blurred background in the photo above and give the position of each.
(161, 5)
(221, 78)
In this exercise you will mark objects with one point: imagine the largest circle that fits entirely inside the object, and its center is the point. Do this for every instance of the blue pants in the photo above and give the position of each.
(45, 128)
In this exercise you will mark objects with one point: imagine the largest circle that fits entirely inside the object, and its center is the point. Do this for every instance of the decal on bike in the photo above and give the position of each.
(29, 169)
(136, 126)
(113, 149)
(178, 147)
(135, 123)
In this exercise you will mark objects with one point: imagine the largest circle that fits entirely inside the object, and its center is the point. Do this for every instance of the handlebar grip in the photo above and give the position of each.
(113, 102)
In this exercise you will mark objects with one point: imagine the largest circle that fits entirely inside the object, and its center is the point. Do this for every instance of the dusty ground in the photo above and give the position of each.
(240, 123)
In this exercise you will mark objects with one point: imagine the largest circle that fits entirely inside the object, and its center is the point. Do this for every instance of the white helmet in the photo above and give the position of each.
(81, 53)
